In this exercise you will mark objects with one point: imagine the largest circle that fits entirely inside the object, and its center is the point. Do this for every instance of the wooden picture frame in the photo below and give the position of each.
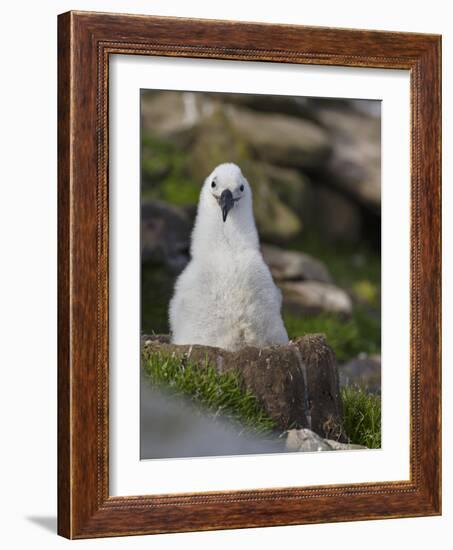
(85, 42)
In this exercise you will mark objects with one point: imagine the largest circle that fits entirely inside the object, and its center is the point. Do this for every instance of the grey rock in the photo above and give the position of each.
(172, 426)
(315, 297)
(363, 371)
(304, 440)
(339, 446)
(216, 142)
(336, 216)
(174, 115)
(287, 265)
(288, 105)
(281, 139)
(165, 234)
(291, 186)
(370, 107)
(355, 163)
(276, 221)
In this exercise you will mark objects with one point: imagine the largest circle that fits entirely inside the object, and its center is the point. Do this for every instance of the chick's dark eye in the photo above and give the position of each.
(213, 184)
(241, 188)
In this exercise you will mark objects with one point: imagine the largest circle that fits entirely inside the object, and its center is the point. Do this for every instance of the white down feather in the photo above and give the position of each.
(226, 296)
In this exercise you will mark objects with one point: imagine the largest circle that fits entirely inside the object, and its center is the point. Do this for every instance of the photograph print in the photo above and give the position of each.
(260, 274)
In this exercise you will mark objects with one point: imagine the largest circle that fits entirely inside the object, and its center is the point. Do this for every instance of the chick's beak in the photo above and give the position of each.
(226, 203)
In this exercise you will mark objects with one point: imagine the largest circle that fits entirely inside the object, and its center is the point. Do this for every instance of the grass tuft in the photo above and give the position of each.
(348, 338)
(362, 417)
(222, 394)
(216, 393)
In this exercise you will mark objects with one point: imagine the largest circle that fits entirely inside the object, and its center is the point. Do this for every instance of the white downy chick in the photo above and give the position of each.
(226, 297)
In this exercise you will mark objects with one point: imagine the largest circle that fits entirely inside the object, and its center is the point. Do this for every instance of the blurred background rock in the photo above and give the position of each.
(314, 167)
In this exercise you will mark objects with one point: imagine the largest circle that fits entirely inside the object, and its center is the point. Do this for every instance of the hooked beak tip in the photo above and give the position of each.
(226, 203)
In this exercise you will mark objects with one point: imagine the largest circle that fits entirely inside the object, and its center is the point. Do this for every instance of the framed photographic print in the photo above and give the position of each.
(249, 275)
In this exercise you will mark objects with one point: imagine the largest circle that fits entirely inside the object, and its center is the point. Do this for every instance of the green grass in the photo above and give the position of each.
(216, 393)
(362, 417)
(358, 270)
(348, 263)
(222, 394)
(361, 333)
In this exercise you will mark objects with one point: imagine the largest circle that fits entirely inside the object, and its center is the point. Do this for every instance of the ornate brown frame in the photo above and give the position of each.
(85, 42)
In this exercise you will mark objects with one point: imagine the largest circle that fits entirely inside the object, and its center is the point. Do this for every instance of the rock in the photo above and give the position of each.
(276, 222)
(165, 234)
(287, 265)
(369, 107)
(174, 115)
(315, 297)
(171, 426)
(288, 105)
(304, 440)
(297, 106)
(297, 384)
(336, 216)
(217, 142)
(355, 163)
(214, 143)
(363, 371)
(281, 139)
(291, 186)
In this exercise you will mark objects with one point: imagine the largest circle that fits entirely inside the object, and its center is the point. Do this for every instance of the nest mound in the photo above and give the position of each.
(297, 384)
